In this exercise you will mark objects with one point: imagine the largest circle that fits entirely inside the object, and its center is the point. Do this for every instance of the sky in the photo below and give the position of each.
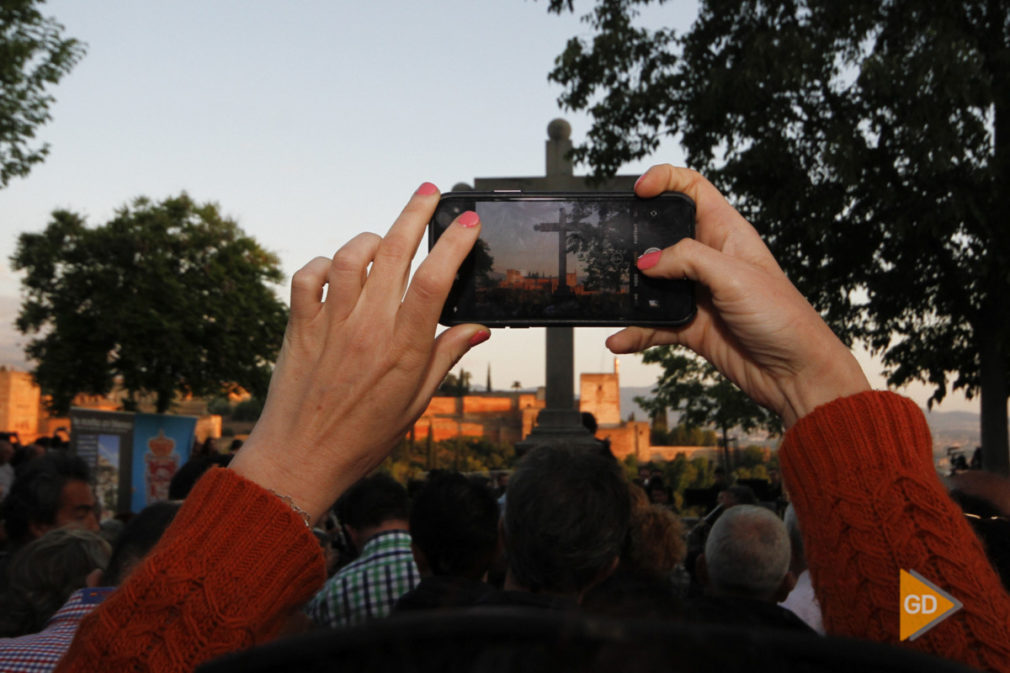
(309, 122)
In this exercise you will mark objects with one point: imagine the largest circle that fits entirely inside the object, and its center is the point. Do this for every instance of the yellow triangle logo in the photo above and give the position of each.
(923, 605)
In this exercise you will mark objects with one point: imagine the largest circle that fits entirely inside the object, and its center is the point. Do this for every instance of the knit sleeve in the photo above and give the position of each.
(869, 503)
(235, 562)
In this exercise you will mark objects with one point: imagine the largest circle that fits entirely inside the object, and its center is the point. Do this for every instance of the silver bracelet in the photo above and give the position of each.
(298, 510)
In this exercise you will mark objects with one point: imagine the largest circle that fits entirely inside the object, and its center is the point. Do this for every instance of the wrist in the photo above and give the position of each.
(258, 464)
(841, 376)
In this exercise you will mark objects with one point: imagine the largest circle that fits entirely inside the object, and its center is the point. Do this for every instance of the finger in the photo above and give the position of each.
(348, 272)
(633, 340)
(693, 260)
(719, 225)
(636, 339)
(391, 267)
(433, 279)
(710, 204)
(307, 289)
(729, 278)
(450, 346)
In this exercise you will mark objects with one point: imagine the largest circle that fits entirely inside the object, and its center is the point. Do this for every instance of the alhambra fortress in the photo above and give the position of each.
(500, 417)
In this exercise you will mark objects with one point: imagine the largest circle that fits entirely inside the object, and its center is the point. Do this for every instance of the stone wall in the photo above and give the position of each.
(600, 395)
(19, 404)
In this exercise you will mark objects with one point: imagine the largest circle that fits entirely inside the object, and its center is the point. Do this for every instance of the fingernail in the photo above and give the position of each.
(469, 219)
(427, 189)
(649, 260)
(638, 182)
(479, 337)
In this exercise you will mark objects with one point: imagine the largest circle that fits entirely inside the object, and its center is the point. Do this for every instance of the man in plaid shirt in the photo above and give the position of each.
(40, 652)
(374, 515)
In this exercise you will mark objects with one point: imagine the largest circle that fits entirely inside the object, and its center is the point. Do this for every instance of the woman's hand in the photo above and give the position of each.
(357, 368)
(752, 323)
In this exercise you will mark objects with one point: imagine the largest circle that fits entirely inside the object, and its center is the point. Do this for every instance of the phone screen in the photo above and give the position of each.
(567, 259)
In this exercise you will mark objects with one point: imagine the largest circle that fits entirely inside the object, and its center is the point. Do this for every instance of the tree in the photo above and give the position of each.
(34, 55)
(868, 141)
(702, 396)
(455, 386)
(684, 435)
(411, 459)
(168, 297)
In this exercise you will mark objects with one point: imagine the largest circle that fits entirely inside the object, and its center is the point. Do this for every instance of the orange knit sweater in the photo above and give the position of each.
(869, 503)
(234, 563)
(236, 559)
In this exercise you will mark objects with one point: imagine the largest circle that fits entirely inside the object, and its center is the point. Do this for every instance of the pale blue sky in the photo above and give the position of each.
(308, 122)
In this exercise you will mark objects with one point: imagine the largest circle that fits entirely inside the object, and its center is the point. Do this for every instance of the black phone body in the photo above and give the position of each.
(551, 259)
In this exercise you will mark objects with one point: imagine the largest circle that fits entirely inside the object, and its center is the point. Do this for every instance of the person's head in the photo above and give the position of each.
(659, 493)
(52, 491)
(6, 451)
(566, 519)
(43, 574)
(655, 538)
(454, 526)
(747, 555)
(138, 538)
(25, 454)
(186, 477)
(737, 495)
(371, 504)
(501, 480)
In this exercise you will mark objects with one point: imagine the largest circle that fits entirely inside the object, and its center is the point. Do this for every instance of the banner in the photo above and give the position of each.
(104, 439)
(132, 456)
(161, 444)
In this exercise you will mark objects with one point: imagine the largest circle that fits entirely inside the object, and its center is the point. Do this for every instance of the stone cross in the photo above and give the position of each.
(560, 420)
(561, 230)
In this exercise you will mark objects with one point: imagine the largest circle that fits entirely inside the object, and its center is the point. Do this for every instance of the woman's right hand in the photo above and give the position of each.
(752, 323)
(360, 359)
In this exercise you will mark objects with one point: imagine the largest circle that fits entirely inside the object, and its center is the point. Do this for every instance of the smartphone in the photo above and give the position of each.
(552, 259)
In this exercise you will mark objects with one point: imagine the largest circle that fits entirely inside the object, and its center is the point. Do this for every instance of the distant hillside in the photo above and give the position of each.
(949, 428)
(628, 405)
(954, 428)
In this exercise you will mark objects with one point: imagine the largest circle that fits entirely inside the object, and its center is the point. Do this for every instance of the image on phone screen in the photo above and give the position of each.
(567, 260)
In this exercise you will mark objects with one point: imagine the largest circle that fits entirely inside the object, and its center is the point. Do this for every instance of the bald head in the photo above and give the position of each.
(747, 553)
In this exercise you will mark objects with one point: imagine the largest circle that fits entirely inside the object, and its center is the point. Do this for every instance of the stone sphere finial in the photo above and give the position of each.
(559, 129)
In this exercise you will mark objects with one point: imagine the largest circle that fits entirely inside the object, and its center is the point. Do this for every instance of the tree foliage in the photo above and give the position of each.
(868, 141)
(34, 56)
(683, 435)
(411, 459)
(455, 385)
(166, 298)
(702, 396)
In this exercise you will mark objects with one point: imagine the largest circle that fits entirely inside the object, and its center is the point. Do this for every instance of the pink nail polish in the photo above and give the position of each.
(469, 219)
(649, 260)
(427, 189)
(479, 337)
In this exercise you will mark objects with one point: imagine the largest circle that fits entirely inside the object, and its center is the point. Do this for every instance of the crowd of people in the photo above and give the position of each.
(295, 555)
